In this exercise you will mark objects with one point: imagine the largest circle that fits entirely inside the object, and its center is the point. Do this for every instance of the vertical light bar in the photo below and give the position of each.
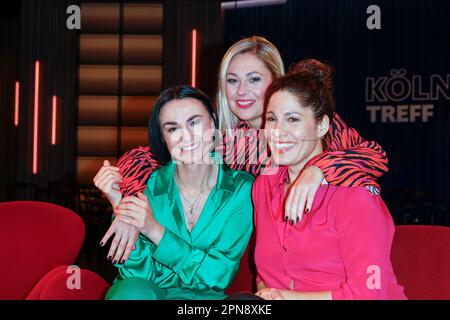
(194, 58)
(53, 120)
(36, 116)
(16, 105)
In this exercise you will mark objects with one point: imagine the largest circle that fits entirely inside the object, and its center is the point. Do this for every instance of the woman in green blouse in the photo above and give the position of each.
(195, 218)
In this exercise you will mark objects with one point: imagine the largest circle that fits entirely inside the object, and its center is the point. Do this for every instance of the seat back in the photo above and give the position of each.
(421, 260)
(35, 237)
(53, 286)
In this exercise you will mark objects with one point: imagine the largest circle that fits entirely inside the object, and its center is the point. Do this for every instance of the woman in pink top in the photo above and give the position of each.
(341, 248)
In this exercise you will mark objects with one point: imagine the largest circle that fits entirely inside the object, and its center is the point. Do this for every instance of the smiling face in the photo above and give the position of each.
(292, 132)
(246, 83)
(187, 130)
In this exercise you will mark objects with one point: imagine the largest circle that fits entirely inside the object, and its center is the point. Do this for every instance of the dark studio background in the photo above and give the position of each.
(414, 37)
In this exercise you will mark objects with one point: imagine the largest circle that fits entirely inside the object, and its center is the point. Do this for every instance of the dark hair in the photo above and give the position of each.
(310, 82)
(155, 136)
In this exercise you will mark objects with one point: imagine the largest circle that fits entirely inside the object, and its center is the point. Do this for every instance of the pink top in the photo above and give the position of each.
(343, 245)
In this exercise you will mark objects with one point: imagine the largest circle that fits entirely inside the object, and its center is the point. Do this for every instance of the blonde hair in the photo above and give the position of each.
(264, 50)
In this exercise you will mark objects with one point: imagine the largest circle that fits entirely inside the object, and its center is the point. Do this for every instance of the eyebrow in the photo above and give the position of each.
(168, 123)
(248, 74)
(292, 113)
(286, 114)
(193, 117)
(173, 123)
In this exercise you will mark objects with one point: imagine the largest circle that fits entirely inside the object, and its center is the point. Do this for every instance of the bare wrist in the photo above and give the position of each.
(114, 201)
(155, 233)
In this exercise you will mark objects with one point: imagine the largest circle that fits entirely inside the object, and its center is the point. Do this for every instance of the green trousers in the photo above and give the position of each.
(134, 288)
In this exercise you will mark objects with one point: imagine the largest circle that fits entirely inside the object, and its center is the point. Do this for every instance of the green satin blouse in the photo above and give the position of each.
(202, 263)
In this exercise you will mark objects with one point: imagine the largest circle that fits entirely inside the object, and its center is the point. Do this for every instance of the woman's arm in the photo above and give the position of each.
(297, 295)
(350, 161)
(107, 180)
(135, 167)
(277, 294)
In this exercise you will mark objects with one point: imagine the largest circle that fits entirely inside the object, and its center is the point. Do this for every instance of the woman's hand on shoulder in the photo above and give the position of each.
(301, 194)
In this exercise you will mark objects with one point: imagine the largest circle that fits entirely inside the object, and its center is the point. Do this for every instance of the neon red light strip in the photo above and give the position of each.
(54, 120)
(194, 57)
(16, 105)
(36, 116)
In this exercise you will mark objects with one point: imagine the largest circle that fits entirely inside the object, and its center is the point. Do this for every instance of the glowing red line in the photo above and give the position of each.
(194, 57)
(36, 116)
(16, 105)
(54, 120)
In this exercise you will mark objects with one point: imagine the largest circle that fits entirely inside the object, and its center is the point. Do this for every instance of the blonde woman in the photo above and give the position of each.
(247, 69)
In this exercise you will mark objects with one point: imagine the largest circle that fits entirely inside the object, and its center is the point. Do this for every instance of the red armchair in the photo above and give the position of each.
(421, 260)
(38, 242)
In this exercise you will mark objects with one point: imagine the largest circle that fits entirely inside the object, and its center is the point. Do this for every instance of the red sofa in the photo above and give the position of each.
(420, 257)
(39, 241)
(246, 276)
(421, 260)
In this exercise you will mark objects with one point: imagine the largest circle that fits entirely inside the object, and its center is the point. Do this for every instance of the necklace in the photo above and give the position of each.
(189, 207)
